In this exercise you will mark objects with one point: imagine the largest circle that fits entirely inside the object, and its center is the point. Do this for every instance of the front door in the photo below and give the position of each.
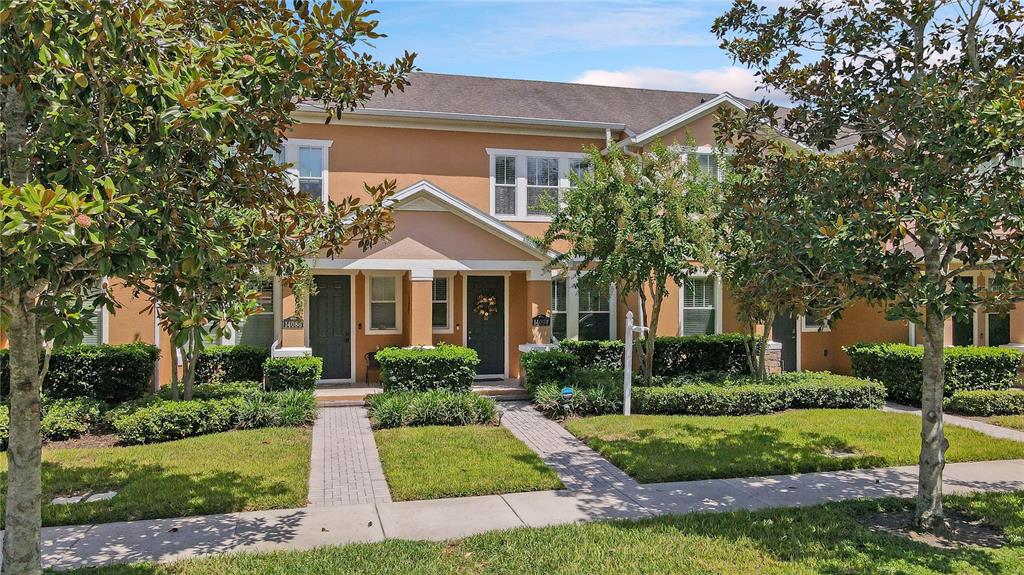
(330, 325)
(485, 322)
(963, 327)
(784, 332)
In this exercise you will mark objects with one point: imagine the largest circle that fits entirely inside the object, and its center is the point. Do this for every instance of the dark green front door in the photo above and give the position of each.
(963, 327)
(330, 325)
(784, 332)
(485, 322)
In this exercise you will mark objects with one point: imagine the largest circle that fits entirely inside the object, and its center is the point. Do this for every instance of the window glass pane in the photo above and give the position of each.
(699, 292)
(440, 289)
(559, 325)
(594, 325)
(311, 162)
(576, 167)
(708, 163)
(312, 187)
(594, 298)
(558, 295)
(505, 200)
(698, 321)
(699, 306)
(382, 288)
(382, 316)
(257, 330)
(540, 200)
(440, 315)
(542, 171)
(505, 170)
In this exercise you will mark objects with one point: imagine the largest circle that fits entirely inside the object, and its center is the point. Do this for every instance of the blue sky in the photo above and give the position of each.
(665, 45)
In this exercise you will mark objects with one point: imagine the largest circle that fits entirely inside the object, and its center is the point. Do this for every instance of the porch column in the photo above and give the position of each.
(420, 307)
(538, 291)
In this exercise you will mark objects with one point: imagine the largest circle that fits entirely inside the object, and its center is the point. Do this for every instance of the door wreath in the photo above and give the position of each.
(486, 305)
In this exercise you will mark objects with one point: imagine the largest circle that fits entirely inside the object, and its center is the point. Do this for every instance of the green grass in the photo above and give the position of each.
(434, 462)
(1011, 421)
(656, 448)
(232, 471)
(816, 540)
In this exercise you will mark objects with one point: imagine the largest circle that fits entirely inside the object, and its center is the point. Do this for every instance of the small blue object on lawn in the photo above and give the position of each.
(567, 393)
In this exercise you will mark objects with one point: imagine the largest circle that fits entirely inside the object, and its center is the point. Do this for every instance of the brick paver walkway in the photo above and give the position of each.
(344, 467)
(579, 467)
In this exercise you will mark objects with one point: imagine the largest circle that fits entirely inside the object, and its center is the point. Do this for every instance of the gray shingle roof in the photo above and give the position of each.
(638, 109)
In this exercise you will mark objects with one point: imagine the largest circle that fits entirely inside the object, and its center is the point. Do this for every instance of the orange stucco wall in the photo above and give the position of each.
(860, 322)
(132, 322)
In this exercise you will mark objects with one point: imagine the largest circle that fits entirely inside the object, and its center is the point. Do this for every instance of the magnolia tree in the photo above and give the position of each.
(925, 98)
(638, 222)
(122, 120)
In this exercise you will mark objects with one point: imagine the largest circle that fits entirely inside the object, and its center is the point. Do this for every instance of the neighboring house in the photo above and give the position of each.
(473, 157)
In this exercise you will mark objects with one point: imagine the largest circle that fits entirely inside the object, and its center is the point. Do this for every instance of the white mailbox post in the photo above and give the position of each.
(627, 374)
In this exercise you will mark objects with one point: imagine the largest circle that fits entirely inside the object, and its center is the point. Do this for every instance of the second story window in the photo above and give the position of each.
(308, 165)
(525, 184)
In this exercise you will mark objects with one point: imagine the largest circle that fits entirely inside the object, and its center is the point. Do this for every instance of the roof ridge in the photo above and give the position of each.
(628, 88)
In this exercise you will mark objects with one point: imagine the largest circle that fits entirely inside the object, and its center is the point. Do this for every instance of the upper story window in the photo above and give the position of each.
(708, 163)
(525, 183)
(309, 168)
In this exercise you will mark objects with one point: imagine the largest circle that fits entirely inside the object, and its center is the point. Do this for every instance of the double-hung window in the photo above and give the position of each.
(258, 328)
(384, 304)
(582, 312)
(699, 307)
(440, 303)
(98, 320)
(527, 184)
(308, 165)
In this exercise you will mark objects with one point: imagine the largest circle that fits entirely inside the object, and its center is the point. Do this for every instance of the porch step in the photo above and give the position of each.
(349, 396)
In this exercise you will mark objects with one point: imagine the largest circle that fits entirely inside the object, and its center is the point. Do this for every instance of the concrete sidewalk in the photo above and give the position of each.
(170, 539)
(979, 426)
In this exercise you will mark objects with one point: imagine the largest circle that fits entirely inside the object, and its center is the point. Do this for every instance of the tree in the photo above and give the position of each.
(112, 111)
(924, 96)
(638, 222)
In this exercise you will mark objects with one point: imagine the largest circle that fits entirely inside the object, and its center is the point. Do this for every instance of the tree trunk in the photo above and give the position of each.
(24, 448)
(174, 370)
(652, 334)
(762, 368)
(929, 515)
(188, 367)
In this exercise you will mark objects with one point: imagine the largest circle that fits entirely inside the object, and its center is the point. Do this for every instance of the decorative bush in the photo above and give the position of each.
(597, 399)
(170, 420)
(985, 403)
(699, 353)
(424, 368)
(898, 367)
(219, 390)
(596, 354)
(289, 408)
(282, 373)
(543, 367)
(109, 373)
(433, 407)
(5, 427)
(70, 418)
(219, 363)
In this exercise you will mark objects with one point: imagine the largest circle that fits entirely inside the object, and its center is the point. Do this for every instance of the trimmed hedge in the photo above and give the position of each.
(218, 363)
(433, 407)
(219, 390)
(70, 418)
(699, 353)
(543, 367)
(424, 368)
(596, 354)
(282, 373)
(108, 373)
(805, 390)
(898, 367)
(986, 403)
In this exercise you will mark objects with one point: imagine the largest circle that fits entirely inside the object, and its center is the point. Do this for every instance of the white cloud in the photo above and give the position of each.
(733, 79)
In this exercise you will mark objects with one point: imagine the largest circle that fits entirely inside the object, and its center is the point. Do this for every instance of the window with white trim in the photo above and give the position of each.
(439, 303)
(258, 328)
(581, 312)
(708, 163)
(96, 322)
(699, 306)
(308, 165)
(525, 183)
(810, 322)
(384, 304)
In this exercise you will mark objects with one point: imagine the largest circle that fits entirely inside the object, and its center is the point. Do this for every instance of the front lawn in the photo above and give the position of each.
(218, 473)
(433, 462)
(1011, 421)
(656, 448)
(816, 540)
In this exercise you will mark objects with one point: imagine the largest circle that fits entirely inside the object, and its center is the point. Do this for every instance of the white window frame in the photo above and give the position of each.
(233, 338)
(718, 301)
(291, 156)
(399, 287)
(704, 150)
(521, 176)
(806, 327)
(572, 306)
(450, 278)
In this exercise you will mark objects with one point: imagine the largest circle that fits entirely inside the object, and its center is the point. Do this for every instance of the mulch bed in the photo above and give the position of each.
(84, 442)
(963, 530)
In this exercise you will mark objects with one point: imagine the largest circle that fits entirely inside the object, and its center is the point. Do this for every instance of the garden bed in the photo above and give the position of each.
(436, 461)
(679, 448)
(219, 473)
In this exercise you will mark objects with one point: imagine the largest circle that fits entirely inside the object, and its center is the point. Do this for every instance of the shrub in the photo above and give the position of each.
(823, 390)
(294, 408)
(5, 427)
(170, 420)
(543, 367)
(433, 407)
(70, 418)
(598, 399)
(898, 367)
(699, 353)
(424, 368)
(109, 373)
(219, 390)
(282, 373)
(219, 363)
(596, 354)
(587, 378)
(985, 403)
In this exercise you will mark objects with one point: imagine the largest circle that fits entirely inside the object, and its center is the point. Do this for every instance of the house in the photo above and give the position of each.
(472, 158)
